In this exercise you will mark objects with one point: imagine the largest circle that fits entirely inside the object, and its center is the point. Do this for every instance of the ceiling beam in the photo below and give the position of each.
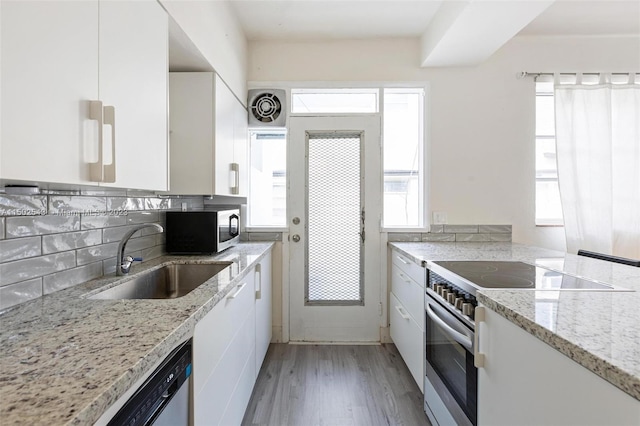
(465, 33)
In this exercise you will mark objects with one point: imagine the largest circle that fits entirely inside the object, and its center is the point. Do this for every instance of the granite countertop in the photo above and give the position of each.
(65, 359)
(598, 329)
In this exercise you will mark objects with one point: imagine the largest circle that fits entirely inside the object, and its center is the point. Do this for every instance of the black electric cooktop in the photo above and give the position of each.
(517, 275)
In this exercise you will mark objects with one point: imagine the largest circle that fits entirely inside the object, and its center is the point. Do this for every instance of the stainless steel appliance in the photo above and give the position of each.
(451, 378)
(163, 399)
(202, 232)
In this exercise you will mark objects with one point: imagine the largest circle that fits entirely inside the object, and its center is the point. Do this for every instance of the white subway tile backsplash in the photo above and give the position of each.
(71, 240)
(436, 229)
(21, 270)
(505, 238)
(94, 253)
(462, 229)
(23, 205)
(102, 221)
(71, 277)
(21, 292)
(153, 252)
(472, 237)
(127, 204)
(20, 248)
(137, 244)
(438, 237)
(142, 217)
(495, 229)
(61, 238)
(76, 205)
(157, 203)
(403, 237)
(40, 225)
(462, 233)
(110, 235)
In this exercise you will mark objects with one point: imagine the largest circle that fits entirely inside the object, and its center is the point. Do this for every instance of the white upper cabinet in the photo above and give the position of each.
(57, 58)
(208, 132)
(133, 79)
(49, 75)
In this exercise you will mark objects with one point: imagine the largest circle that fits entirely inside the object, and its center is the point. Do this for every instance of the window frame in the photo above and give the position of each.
(288, 86)
(543, 222)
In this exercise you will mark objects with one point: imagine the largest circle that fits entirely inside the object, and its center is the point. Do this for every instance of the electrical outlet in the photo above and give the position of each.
(184, 207)
(439, 218)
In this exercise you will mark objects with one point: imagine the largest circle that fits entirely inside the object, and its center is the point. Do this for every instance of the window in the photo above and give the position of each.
(403, 152)
(267, 201)
(548, 207)
(334, 101)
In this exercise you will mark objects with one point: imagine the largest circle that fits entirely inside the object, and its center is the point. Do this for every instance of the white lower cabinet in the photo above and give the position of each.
(229, 345)
(262, 280)
(524, 381)
(406, 317)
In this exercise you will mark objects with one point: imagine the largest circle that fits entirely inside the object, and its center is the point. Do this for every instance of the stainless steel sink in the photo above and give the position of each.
(167, 282)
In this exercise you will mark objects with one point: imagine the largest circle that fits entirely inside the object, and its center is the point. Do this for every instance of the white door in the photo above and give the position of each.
(334, 208)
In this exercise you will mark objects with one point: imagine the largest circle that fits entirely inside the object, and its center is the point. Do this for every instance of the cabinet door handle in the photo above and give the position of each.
(237, 291)
(259, 280)
(403, 314)
(478, 357)
(110, 119)
(404, 277)
(96, 170)
(235, 168)
(401, 259)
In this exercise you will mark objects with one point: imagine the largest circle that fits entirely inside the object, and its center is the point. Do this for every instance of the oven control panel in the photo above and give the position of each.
(461, 300)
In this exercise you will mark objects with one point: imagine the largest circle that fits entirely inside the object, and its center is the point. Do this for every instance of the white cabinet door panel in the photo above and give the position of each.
(218, 391)
(409, 293)
(49, 73)
(214, 333)
(224, 137)
(263, 310)
(408, 338)
(526, 382)
(409, 267)
(133, 79)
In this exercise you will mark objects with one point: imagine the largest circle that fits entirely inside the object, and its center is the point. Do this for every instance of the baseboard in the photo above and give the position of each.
(336, 343)
(276, 334)
(385, 335)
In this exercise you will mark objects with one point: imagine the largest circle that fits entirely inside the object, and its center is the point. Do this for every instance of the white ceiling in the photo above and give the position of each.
(302, 20)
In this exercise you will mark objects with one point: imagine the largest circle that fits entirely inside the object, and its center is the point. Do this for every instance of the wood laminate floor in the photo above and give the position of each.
(334, 385)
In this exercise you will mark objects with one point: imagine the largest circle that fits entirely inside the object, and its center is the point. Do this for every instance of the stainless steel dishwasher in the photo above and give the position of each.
(163, 399)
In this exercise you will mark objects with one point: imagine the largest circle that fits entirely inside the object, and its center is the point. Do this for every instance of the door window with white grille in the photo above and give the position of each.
(335, 220)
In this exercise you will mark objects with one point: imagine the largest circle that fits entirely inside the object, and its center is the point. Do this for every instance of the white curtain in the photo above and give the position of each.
(598, 152)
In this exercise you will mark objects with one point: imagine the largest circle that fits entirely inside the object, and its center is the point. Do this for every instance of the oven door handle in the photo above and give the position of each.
(464, 340)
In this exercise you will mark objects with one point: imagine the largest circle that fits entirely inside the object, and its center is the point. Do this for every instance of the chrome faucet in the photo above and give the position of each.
(123, 263)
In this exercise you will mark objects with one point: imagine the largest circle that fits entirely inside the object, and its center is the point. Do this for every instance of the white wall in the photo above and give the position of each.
(216, 32)
(482, 118)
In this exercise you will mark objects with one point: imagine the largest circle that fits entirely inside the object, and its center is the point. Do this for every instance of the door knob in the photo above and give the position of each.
(296, 220)
(295, 238)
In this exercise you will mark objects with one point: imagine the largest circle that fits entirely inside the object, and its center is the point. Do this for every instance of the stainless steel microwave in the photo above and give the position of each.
(202, 232)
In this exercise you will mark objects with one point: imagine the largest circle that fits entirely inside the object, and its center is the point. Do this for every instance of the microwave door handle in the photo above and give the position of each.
(464, 340)
(233, 233)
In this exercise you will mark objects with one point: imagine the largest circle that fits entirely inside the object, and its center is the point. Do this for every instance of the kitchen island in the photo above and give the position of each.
(65, 359)
(599, 330)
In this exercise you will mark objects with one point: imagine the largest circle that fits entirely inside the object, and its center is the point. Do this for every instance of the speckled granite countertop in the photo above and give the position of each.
(66, 359)
(599, 330)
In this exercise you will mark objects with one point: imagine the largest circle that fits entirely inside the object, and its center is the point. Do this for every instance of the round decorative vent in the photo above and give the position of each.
(266, 107)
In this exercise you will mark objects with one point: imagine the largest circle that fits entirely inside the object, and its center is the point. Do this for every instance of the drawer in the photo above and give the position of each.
(408, 267)
(409, 293)
(213, 333)
(409, 339)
